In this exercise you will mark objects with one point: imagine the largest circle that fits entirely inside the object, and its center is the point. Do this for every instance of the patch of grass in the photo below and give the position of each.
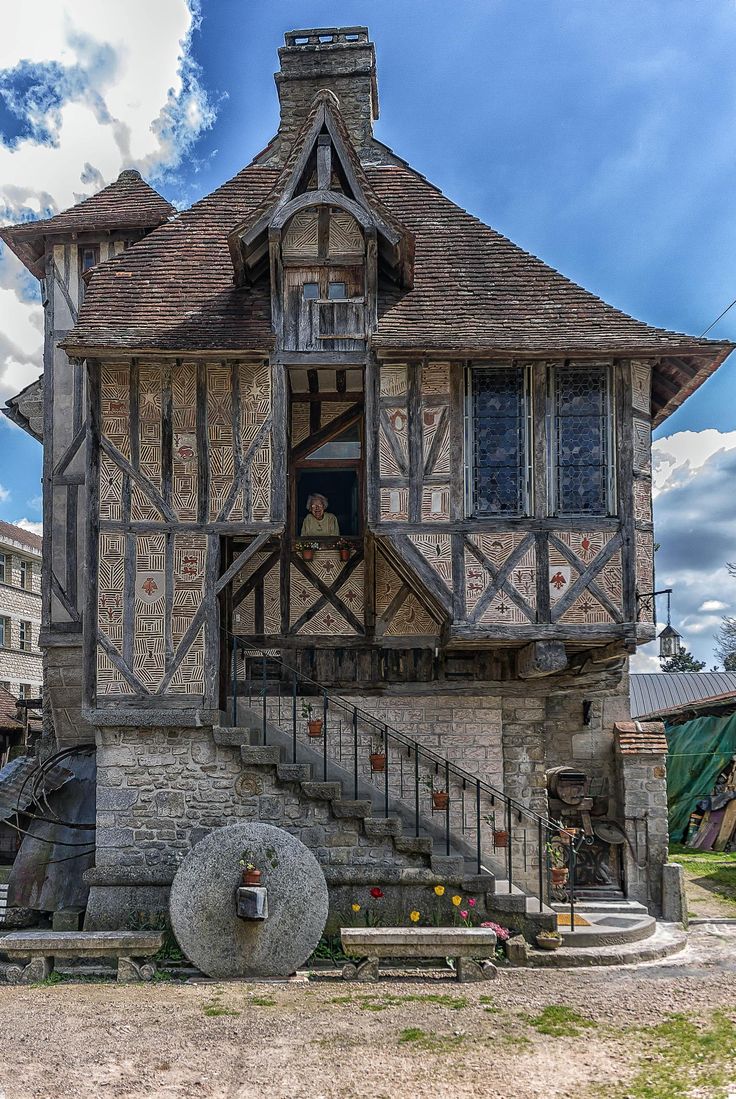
(214, 1010)
(559, 1021)
(429, 1042)
(684, 1058)
(262, 1001)
(381, 1003)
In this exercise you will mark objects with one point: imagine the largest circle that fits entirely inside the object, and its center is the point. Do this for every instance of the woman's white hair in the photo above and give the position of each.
(314, 497)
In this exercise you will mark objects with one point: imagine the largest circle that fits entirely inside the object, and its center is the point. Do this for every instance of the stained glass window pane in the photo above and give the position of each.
(580, 439)
(499, 441)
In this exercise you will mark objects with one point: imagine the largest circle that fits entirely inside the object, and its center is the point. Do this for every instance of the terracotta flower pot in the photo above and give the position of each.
(440, 799)
(559, 875)
(500, 838)
(307, 554)
(567, 835)
(251, 877)
(344, 553)
(378, 761)
(315, 726)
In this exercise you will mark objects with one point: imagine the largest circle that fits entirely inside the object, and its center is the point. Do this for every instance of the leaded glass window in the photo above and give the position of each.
(580, 433)
(498, 441)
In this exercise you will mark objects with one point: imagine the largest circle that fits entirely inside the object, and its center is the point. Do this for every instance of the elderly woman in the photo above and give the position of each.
(319, 521)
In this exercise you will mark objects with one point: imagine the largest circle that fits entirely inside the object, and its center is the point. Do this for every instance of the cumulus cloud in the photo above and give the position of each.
(86, 89)
(695, 525)
(28, 524)
(4, 494)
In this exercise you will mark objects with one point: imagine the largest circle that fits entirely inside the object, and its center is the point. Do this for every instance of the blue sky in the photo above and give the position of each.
(599, 136)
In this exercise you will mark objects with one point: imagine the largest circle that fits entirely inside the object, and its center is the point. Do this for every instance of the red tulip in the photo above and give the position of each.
(376, 892)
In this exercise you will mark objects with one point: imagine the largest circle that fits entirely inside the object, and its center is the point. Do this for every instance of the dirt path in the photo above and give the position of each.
(527, 1035)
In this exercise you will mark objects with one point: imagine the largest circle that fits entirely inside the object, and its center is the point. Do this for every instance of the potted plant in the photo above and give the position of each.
(440, 798)
(559, 874)
(344, 549)
(567, 835)
(314, 724)
(500, 835)
(549, 940)
(251, 875)
(378, 755)
(307, 549)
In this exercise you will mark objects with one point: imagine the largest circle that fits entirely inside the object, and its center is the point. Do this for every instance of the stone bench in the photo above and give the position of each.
(133, 950)
(471, 947)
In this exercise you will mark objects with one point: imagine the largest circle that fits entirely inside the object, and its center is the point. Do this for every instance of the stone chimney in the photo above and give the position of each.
(341, 59)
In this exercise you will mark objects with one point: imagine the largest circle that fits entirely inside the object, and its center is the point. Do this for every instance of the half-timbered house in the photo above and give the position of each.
(328, 323)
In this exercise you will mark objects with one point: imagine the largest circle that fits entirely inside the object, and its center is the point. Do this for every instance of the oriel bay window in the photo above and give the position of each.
(498, 432)
(580, 431)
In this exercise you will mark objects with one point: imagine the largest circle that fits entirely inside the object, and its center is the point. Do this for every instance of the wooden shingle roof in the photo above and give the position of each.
(128, 203)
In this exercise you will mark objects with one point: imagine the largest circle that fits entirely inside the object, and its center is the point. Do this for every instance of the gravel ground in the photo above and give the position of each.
(327, 1038)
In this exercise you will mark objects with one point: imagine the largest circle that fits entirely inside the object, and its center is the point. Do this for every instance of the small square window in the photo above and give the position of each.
(337, 291)
(88, 258)
(311, 291)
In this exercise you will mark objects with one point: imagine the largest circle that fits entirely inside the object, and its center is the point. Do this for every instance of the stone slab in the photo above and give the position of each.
(73, 944)
(674, 903)
(203, 912)
(418, 942)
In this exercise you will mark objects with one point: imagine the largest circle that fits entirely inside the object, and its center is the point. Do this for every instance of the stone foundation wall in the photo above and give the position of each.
(159, 791)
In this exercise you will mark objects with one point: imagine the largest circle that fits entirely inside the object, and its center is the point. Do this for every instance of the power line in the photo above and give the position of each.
(719, 317)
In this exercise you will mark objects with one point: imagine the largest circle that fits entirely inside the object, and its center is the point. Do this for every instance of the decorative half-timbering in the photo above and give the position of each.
(329, 422)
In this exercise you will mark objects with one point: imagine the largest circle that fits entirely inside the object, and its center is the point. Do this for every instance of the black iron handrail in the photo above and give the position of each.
(509, 808)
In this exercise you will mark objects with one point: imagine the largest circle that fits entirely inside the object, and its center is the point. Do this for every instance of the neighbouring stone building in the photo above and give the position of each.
(20, 611)
(328, 331)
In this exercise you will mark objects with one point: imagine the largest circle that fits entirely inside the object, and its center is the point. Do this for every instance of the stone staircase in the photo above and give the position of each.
(373, 847)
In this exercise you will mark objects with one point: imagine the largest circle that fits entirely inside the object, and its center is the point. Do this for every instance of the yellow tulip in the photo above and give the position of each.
(439, 890)
(414, 916)
(457, 900)
(355, 907)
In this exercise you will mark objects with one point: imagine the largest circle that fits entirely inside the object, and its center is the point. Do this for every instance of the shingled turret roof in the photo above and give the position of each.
(128, 203)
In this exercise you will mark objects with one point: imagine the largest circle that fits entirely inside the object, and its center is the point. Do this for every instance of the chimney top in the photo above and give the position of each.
(341, 59)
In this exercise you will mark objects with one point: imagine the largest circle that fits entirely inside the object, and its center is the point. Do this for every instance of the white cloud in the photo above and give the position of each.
(99, 87)
(713, 605)
(4, 494)
(28, 524)
(695, 525)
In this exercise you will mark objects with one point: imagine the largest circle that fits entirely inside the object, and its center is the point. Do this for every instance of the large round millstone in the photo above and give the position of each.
(203, 903)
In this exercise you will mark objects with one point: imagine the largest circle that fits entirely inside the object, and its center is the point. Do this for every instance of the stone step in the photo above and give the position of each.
(230, 737)
(351, 808)
(478, 883)
(506, 900)
(606, 929)
(449, 866)
(294, 772)
(382, 826)
(667, 939)
(413, 845)
(326, 791)
(260, 755)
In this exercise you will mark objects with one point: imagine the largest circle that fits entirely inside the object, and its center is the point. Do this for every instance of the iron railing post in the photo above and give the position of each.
(540, 855)
(235, 682)
(447, 808)
(509, 843)
(573, 860)
(293, 717)
(478, 843)
(324, 735)
(263, 689)
(385, 771)
(416, 790)
(355, 750)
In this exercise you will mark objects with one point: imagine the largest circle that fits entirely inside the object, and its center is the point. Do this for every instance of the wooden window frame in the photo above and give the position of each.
(4, 632)
(528, 417)
(610, 458)
(26, 575)
(25, 635)
(4, 560)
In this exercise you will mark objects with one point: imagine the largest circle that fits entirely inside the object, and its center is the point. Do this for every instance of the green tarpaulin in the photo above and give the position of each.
(698, 752)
